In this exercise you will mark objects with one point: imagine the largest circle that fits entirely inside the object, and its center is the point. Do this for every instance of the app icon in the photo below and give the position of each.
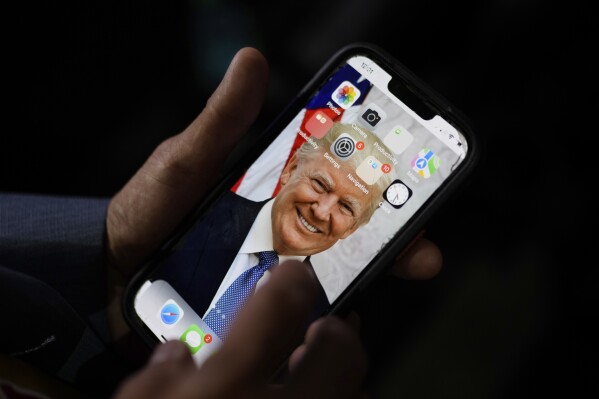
(193, 337)
(398, 139)
(370, 170)
(425, 163)
(170, 313)
(345, 95)
(373, 115)
(318, 124)
(397, 194)
(344, 146)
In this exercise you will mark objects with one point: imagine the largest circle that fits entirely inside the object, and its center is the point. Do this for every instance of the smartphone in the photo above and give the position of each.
(343, 179)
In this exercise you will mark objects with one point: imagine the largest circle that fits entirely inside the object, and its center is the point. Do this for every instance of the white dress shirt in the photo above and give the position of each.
(258, 239)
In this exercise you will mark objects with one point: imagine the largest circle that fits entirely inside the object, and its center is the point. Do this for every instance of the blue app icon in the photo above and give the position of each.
(171, 313)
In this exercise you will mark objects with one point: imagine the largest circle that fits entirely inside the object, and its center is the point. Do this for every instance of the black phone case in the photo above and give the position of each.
(403, 238)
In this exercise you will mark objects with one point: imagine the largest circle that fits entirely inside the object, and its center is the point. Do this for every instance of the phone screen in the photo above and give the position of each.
(342, 178)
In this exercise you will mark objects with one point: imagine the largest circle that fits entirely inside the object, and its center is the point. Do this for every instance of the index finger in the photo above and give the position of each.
(267, 329)
(422, 260)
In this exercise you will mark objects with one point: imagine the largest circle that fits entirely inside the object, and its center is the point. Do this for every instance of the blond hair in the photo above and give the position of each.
(316, 146)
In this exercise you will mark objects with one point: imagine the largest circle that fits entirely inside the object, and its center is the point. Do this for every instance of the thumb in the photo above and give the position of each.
(170, 363)
(183, 167)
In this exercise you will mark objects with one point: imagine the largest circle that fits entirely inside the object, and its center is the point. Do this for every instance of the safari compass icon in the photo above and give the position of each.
(170, 313)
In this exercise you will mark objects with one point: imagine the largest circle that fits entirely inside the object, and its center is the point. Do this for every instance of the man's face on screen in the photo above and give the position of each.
(317, 206)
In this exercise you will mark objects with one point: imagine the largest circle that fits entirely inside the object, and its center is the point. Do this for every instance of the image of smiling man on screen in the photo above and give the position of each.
(329, 188)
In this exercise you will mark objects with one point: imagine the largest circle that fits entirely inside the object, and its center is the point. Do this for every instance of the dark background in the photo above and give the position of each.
(92, 87)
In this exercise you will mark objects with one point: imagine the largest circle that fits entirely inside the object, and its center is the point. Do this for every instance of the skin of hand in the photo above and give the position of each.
(330, 363)
(155, 200)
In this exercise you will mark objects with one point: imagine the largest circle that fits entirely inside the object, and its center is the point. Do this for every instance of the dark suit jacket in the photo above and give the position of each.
(52, 282)
(198, 267)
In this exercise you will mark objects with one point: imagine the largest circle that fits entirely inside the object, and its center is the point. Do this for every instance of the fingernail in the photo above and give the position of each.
(168, 352)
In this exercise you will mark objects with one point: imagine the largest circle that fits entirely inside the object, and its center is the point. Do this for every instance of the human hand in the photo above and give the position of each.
(150, 206)
(331, 362)
(177, 174)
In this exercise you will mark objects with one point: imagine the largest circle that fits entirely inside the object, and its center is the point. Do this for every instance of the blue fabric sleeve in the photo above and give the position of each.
(58, 240)
(53, 283)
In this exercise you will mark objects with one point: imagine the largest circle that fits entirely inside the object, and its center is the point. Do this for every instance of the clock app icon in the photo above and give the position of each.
(397, 194)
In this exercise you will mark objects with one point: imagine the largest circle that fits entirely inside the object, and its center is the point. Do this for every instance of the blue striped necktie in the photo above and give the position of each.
(220, 317)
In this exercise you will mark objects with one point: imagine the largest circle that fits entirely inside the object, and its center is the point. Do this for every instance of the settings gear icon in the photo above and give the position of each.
(344, 146)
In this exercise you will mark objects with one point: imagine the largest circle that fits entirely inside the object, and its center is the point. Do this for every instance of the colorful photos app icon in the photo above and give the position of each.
(344, 146)
(346, 95)
(397, 194)
(194, 338)
(372, 115)
(398, 139)
(319, 124)
(425, 163)
(170, 313)
(371, 169)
